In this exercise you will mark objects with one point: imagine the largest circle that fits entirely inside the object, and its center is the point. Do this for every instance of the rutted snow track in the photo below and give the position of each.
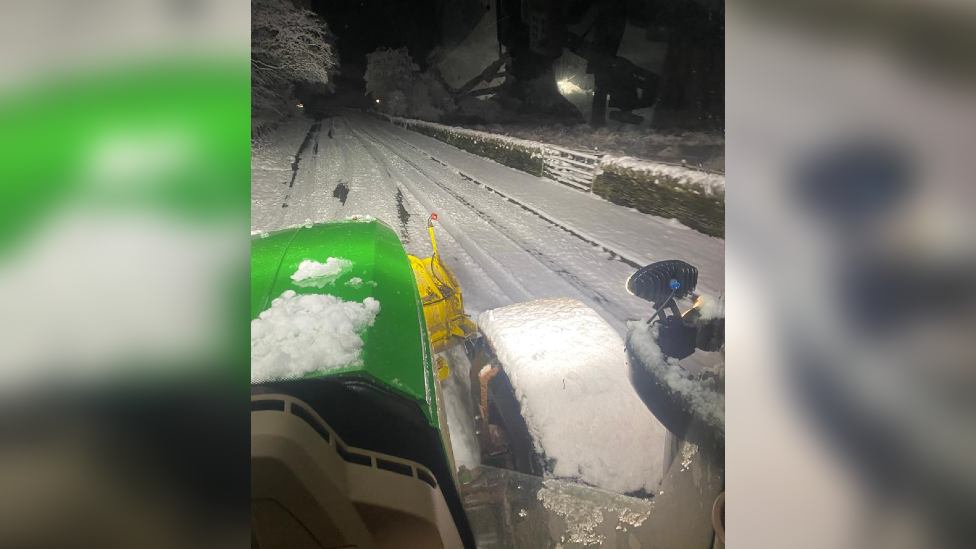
(533, 258)
(502, 249)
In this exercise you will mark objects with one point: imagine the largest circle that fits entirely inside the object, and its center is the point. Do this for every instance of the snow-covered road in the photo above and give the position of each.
(508, 236)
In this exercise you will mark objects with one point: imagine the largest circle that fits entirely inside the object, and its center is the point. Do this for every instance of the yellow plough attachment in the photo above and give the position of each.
(441, 297)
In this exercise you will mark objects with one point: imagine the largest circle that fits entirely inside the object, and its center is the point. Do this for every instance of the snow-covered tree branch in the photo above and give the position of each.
(288, 45)
(394, 79)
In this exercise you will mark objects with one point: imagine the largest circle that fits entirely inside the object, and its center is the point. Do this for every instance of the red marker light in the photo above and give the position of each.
(433, 216)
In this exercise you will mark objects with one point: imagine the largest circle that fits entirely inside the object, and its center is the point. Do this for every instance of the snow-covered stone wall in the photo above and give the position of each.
(695, 198)
(520, 154)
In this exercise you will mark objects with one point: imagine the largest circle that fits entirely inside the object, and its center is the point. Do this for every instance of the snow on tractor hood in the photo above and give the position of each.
(569, 371)
(339, 299)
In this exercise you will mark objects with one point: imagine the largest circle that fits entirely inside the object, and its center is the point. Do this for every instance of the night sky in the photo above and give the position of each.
(362, 26)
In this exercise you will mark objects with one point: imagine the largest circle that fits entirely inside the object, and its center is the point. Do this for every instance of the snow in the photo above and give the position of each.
(679, 174)
(320, 274)
(640, 238)
(570, 375)
(399, 88)
(698, 148)
(456, 390)
(355, 282)
(711, 307)
(500, 252)
(300, 334)
(584, 510)
(511, 142)
(288, 44)
(703, 402)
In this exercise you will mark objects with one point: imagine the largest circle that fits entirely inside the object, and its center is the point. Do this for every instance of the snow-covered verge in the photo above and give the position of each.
(273, 152)
(698, 398)
(569, 371)
(261, 128)
(693, 197)
(305, 333)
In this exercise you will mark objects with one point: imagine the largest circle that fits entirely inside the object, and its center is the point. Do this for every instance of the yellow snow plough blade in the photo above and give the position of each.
(441, 297)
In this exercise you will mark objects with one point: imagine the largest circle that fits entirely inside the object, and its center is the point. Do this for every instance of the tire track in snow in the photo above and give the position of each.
(494, 270)
(300, 196)
(538, 213)
(489, 293)
(312, 132)
(550, 264)
(348, 180)
(586, 292)
(390, 181)
(402, 212)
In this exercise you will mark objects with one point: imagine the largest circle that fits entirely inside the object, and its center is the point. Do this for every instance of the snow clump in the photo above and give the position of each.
(306, 333)
(711, 307)
(320, 274)
(703, 402)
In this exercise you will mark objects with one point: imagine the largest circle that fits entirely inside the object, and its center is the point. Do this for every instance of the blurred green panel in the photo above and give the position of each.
(169, 134)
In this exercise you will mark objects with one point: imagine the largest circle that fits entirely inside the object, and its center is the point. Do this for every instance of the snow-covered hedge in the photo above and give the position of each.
(694, 198)
(697, 148)
(515, 153)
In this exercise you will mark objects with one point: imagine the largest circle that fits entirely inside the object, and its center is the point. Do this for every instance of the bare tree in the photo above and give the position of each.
(288, 45)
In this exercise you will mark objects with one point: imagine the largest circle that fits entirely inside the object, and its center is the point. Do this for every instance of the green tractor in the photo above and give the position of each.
(356, 454)
(350, 445)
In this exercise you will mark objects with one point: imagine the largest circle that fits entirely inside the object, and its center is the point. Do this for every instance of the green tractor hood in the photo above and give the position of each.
(396, 352)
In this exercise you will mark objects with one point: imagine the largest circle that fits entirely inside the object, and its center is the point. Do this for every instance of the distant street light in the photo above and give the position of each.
(377, 101)
(567, 87)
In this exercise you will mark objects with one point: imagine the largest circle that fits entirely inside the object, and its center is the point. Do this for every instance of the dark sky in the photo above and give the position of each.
(362, 26)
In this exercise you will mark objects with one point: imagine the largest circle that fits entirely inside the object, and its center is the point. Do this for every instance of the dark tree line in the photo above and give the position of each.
(690, 90)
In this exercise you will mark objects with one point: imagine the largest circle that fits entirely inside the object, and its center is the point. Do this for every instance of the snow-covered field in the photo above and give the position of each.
(508, 236)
